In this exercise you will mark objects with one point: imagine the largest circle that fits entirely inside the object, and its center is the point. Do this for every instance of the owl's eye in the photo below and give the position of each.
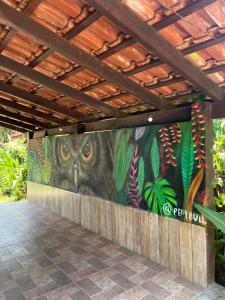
(65, 152)
(87, 151)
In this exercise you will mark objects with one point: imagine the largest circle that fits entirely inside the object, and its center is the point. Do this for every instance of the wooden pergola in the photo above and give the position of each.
(74, 64)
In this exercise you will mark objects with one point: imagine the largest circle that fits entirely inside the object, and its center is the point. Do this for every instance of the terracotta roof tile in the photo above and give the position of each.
(61, 16)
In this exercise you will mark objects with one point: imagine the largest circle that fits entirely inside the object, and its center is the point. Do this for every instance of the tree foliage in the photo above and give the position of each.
(219, 163)
(4, 135)
(219, 193)
(13, 168)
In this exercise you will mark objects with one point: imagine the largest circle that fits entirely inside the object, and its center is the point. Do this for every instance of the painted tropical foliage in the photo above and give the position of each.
(159, 168)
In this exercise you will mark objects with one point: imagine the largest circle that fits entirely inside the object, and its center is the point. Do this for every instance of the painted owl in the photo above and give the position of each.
(84, 164)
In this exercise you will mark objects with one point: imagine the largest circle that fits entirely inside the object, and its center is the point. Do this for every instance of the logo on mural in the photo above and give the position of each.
(159, 168)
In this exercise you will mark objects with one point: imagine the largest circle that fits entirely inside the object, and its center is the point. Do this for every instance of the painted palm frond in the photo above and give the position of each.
(187, 157)
(155, 158)
(123, 162)
(159, 192)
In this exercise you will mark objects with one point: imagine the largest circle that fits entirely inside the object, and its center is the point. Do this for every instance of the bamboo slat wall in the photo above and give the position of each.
(181, 247)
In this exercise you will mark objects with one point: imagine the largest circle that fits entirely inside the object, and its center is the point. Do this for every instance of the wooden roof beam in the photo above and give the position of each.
(31, 111)
(91, 18)
(179, 114)
(17, 116)
(28, 72)
(37, 100)
(166, 21)
(219, 68)
(194, 48)
(155, 63)
(22, 23)
(17, 123)
(144, 34)
(30, 7)
(12, 127)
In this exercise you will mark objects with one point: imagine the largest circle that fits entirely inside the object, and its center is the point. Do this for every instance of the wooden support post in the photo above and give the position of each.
(203, 237)
(209, 193)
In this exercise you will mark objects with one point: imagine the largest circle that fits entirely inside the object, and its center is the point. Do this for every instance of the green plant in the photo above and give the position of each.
(219, 193)
(219, 162)
(123, 162)
(13, 169)
(218, 219)
(4, 135)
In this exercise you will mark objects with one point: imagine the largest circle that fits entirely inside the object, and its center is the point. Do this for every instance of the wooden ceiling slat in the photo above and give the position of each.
(7, 39)
(91, 18)
(2, 124)
(156, 63)
(201, 46)
(212, 70)
(37, 100)
(31, 111)
(141, 31)
(16, 123)
(190, 8)
(31, 6)
(26, 25)
(180, 79)
(21, 118)
(128, 42)
(28, 72)
(166, 21)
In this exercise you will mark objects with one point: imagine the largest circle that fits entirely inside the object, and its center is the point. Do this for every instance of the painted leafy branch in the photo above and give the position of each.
(136, 179)
(169, 137)
(155, 159)
(198, 129)
(159, 193)
(163, 165)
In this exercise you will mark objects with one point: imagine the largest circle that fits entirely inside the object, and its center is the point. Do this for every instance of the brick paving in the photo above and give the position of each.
(46, 257)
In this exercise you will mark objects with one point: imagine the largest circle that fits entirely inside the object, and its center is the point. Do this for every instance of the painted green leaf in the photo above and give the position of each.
(216, 218)
(158, 195)
(121, 197)
(124, 157)
(187, 157)
(47, 146)
(155, 158)
(141, 174)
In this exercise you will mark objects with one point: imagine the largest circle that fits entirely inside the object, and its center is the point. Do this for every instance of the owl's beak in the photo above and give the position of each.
(75, 177)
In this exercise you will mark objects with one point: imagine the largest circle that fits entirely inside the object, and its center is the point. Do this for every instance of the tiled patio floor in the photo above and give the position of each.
(43, 256)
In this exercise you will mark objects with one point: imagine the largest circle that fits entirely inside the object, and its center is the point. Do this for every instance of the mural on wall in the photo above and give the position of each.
(159, 168)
